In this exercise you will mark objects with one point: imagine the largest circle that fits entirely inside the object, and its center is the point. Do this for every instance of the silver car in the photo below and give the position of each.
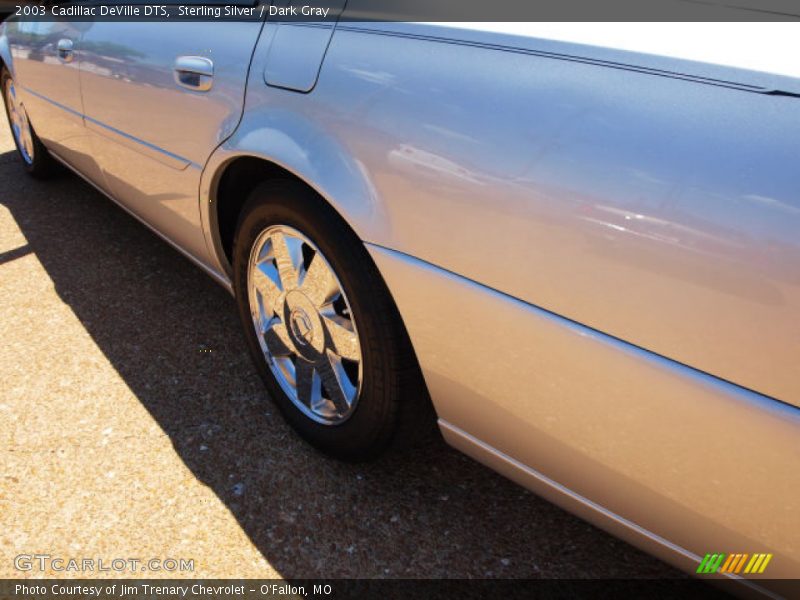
(576, 249)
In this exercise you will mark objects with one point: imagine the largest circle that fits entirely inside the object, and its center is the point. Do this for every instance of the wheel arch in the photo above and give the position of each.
(253, 156)
(336, 177)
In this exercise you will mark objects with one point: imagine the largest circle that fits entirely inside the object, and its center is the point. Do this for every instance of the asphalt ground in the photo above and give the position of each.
(134, 426)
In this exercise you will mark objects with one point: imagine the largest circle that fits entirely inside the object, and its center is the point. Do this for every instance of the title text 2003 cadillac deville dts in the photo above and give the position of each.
(579, 245)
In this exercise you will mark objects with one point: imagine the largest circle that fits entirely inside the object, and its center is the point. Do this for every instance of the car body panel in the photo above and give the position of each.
(296, 51)
(519, 195)
(655, 243)
(594, 249)
(709, 52)
(51, 90)
(284, 126)
(674, 451)
(152, 157)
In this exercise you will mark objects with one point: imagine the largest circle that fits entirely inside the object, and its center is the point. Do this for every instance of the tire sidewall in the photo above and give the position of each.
(290, 204)
(5, 75)
(42, 166)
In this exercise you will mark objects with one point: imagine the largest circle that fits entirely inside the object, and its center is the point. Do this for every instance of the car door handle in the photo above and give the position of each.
(65, 48)
(194, 72)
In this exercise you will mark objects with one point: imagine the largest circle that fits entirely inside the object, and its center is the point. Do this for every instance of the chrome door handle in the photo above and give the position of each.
(194, 72)
(65, 50)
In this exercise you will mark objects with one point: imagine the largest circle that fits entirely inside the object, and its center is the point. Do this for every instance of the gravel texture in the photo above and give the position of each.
(133, 425)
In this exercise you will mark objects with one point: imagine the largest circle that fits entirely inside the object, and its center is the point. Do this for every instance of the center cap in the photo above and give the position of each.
(304, 325)
(301, 325)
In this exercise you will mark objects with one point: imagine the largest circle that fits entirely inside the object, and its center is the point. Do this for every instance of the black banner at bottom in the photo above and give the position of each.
(379, 589)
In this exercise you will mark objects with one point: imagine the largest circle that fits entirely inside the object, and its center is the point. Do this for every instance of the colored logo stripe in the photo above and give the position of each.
(758, 563)
(734, 563)
(711, 563)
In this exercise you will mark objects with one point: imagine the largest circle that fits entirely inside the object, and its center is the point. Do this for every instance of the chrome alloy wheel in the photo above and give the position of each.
(304, 324)
(20, 125)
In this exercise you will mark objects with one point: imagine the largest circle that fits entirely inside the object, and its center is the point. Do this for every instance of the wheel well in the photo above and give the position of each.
(237, 181)
(240, 177)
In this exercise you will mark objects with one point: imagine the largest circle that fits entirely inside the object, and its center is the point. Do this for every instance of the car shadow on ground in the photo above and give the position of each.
(173, 336)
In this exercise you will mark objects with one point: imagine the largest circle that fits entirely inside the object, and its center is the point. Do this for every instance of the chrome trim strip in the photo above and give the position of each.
(377, 29)
(777, 405)
(634, 432)
(574, 502)
(146, 148)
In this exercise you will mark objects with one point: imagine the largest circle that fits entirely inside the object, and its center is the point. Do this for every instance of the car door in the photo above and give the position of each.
(159, 97)
(45, 69)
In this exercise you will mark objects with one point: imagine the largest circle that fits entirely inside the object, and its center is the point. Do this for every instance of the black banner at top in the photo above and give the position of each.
(572, 10)
(442, 11)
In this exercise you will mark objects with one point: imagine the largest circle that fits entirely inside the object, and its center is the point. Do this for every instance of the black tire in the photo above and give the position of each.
(42, 165)
(393, 407)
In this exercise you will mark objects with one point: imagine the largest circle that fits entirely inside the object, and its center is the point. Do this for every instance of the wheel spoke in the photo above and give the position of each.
(288, 256)
(343, 338)
(319, 283)
(309, 386)
(303, 317)
(267, 282)
(277, 339)
(337, 385)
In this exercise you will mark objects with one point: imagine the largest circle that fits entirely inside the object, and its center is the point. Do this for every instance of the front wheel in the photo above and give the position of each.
(321, 326)
(35, 157)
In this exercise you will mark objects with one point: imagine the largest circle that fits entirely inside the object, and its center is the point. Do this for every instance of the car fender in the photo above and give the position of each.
(306, 150)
